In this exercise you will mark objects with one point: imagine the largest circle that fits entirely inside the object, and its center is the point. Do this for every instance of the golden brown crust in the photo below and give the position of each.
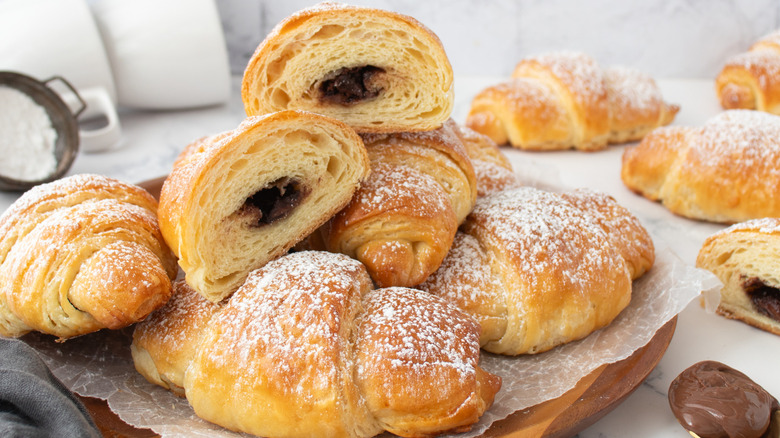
(81, 254)
(306, 348)
(565, 100)
(403, 219)
(750, 80)
(539, 269)
(408, 87)
(242, 198)
(165, 343)
(724, 171)
(745, 258)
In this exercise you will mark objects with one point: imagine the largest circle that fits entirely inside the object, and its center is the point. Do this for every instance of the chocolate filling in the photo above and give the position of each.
(765, 298)
(351, 85)
(274, 202)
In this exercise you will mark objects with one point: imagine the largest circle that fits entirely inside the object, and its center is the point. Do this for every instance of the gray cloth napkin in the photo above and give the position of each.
(33, 402)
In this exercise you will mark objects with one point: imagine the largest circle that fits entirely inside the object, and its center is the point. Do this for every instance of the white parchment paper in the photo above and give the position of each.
(99, 365)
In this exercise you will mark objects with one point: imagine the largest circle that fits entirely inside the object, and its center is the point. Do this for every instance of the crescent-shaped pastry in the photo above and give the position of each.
(751, 80)
(401, 222)
(564, 100)
(243, 198)
(81, 254)
(306, 347)
(538, 269)
(724, 171)
(746, 259)
(378, 71)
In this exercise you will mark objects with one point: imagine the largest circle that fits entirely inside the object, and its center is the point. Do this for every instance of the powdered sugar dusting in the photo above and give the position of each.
(580, 73)
(542, 232)
(632, 89)
(743, 139)
(400, 185)
(289, 315)
(768, 225)
(764, 63)
(416, 331)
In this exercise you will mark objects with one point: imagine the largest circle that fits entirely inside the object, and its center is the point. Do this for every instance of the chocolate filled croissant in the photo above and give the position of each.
(401, 222)
(376, 70)
(306, 348)
(565, 100)
(239, 199)
(751, 80)
(538, 269)
(81, 254)
(724, 171)
(746, 259)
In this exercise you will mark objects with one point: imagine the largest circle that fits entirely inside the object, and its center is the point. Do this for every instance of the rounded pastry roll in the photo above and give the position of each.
(81, 254)
(403, 219)
(746, 259)
(376, 70)
(751, 80)
(245, 198)
(565, 100)
(306, 348)
(538, 269)
(724, 171)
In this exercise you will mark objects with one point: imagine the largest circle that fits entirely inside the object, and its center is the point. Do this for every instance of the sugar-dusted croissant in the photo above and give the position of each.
(239, 199)
(306, 348)
(378, 71)
(538, 269)
(401, 222)
(751, 80)
(746, 259)
(81, 254)
(564, 100)
(724, 171)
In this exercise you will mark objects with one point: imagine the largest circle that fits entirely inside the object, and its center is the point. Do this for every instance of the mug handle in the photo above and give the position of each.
(97, 105)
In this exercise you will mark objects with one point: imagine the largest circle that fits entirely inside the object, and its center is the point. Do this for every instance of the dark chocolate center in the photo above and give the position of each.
(765, 298)
(274, 202)
(350, 85)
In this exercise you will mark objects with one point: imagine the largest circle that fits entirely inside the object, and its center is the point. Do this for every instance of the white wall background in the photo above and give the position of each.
(665, 38)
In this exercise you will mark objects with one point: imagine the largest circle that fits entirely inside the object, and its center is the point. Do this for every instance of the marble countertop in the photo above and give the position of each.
(152, 140)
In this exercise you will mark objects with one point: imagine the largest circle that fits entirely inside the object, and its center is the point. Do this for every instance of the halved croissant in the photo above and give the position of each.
(376, 70)
(306, 348)
(237, 200)
(81, 254)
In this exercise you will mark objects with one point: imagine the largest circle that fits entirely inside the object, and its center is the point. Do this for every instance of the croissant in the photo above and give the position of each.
(306, 348)
(237, 200)
(81, 254)
(402, 220)
(376, 70)
(565, 100)
(538, 269)
(745, 257)
(751, 80)
(724, 171)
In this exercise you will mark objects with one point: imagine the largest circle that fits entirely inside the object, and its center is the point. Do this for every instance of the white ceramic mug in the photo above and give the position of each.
(48, 38)
(167, 54)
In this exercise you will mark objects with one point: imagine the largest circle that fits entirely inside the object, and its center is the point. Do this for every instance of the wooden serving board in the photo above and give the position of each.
(594, 396)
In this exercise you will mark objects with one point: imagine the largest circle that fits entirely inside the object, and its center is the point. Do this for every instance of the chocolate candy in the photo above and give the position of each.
(712, 400)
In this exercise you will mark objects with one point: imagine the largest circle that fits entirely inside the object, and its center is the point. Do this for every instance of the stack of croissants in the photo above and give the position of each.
(335, 264)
